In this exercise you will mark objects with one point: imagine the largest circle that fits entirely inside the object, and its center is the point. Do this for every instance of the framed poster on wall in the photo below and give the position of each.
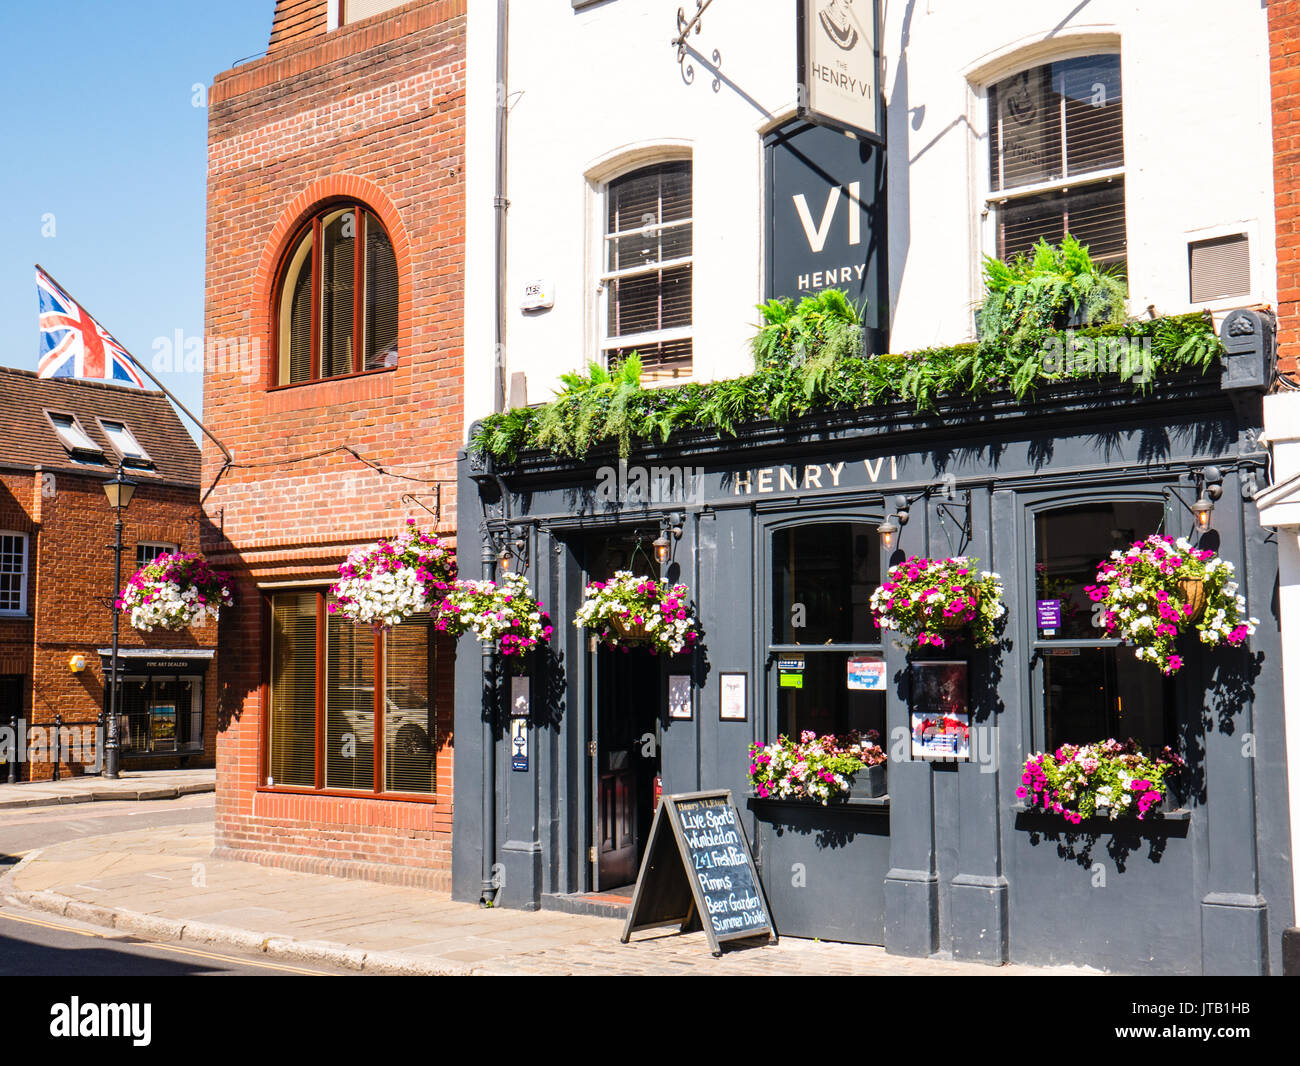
(735, 698)
(679, 696)
(940, 707)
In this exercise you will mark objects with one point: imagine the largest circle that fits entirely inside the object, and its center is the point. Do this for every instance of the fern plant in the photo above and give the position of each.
(825, 323)
(1048, 289)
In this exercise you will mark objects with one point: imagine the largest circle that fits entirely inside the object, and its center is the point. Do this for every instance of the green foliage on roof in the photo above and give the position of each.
(809, 358)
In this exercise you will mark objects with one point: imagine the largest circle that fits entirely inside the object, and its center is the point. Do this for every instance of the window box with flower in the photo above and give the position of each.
(819, 769)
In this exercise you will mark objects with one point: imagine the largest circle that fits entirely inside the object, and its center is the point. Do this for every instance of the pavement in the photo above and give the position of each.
(130, 785)
(163, 884)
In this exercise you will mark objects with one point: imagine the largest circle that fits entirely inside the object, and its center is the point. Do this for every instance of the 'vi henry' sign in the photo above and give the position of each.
(839, 65)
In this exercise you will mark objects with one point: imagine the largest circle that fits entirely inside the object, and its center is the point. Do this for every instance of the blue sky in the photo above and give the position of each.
(103, 154)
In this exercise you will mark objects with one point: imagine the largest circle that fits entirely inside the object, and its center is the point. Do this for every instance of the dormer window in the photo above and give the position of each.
(123, 440)
(75, 439)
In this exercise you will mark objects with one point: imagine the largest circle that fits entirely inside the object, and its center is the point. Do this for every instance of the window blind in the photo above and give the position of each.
(1094, 214)
(349, 705)
(338, 286)
(410, 728)
(381, 297)
(293, 690)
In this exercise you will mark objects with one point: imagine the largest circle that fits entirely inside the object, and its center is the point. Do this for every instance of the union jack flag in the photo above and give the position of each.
(74, 345)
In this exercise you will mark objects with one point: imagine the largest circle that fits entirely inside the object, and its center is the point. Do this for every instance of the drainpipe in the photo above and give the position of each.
(500, 203)
(489, 888)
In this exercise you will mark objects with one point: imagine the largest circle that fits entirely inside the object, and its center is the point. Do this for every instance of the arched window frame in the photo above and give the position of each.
(313, 227)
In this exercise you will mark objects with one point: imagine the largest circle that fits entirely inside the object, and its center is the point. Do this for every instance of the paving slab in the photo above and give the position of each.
(144, 881)
(130, 786)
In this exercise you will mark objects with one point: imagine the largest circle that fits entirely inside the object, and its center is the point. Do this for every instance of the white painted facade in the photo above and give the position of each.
(597, 90)
(1279, 508)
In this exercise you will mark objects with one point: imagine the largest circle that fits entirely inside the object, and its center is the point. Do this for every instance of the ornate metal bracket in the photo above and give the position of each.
(684, 27)
(435, 510)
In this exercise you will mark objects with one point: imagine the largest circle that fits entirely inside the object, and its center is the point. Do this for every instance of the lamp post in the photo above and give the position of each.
(119, 492)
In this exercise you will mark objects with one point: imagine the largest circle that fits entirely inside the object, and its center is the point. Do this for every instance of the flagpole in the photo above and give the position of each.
(230, 459)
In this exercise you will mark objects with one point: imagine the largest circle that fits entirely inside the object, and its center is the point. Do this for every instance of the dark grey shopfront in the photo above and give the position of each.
(780, 551)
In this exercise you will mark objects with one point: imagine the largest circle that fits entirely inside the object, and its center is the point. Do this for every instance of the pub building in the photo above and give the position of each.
(781, 533)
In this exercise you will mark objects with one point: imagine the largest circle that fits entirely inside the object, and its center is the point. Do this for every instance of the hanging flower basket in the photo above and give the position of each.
(818, 768)
(925, 598)
(503, 612)
(385, 583)
(629, 610)
(175, 592)
(1161, 587)
(1103, 780)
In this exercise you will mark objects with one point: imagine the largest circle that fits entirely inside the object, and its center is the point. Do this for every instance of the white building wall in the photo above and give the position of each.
(592, 88)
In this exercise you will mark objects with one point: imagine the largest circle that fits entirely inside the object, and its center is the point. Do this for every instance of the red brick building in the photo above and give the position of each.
(63, 439)
(1284, 59)
(335, 237)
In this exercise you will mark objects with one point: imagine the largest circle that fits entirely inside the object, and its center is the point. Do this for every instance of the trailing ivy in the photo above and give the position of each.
(601, 407)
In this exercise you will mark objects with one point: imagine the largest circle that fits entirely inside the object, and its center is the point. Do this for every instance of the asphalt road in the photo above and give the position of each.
(28, 828)
(36, 944)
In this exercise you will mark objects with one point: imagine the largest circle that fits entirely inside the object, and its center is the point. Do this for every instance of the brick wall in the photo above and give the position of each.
(372, 112)
(1284, 60)
(69, 583)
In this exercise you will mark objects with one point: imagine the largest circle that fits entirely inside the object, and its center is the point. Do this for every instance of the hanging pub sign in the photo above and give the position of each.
(825, 209)
(839, 66)
(698, 871)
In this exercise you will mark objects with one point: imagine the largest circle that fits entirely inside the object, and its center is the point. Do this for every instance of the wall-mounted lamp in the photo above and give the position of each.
(670, 532)
(1209, 488)
(510, 545)
(894, 523)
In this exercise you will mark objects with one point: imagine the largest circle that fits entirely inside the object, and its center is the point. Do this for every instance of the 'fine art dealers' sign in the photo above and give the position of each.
(839, 65)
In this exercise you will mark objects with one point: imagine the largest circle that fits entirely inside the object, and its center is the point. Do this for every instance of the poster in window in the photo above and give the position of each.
(1027, 133)
(162, 726)
(734, 707)
(940, 710)
(866, 674)
(679, 696)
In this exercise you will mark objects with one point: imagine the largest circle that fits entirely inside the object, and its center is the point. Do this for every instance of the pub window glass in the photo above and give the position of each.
(823, 575)
(1094, 688)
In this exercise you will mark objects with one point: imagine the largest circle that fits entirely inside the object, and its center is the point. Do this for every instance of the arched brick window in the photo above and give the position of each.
(335, 305)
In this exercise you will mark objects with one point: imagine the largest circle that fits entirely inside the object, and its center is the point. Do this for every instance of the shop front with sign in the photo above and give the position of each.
(161, 701)
(788, 542)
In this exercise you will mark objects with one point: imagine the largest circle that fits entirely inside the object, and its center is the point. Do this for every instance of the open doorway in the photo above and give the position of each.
(626, 694)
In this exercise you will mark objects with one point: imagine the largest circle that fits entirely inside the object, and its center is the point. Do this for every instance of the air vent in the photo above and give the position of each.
(1219, 268)
(356, 10)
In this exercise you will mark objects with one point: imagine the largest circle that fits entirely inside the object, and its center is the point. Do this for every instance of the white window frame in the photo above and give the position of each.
(994, 200)
(166, 547)
(139, 455)
(70, 443)
(21, 610)
(600, 179)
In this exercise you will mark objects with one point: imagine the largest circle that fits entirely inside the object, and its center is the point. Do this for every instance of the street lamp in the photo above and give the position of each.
(119, 492)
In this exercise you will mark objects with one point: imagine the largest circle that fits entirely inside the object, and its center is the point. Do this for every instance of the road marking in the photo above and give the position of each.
(89, 888)
(6, 916)
(230, 958)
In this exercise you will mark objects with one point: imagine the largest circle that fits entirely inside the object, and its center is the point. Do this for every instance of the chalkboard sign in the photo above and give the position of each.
(698, 869)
